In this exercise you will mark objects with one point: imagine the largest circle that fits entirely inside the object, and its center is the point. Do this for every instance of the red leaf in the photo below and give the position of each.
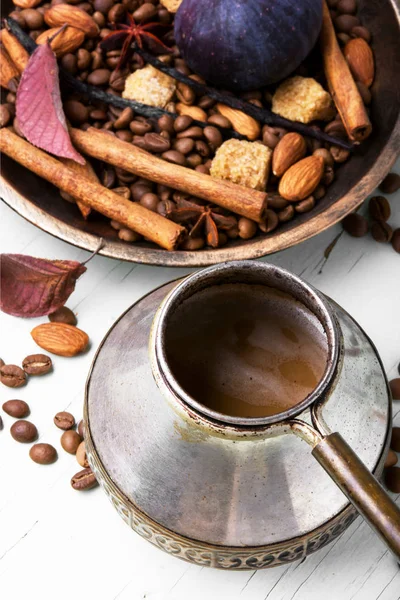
(33, 287)
(39, 108)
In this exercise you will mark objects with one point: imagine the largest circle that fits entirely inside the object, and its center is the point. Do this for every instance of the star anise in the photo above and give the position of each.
(204, 218)
(128, 33)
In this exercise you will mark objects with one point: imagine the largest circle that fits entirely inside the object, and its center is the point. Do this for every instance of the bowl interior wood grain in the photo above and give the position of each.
(40, 203)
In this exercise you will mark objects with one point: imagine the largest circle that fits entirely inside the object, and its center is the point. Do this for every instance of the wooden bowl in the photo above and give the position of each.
(39, 202)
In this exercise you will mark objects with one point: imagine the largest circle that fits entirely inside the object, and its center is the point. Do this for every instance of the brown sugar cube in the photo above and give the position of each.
(149, 86)
(302, 99)
(244, 163)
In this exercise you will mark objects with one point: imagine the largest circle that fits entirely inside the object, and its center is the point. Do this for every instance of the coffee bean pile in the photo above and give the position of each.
(379, 212)
(179, 142)
(25, 432)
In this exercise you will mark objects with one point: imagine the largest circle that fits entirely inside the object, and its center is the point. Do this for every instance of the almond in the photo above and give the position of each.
(290, 149)
(61, 14)
(361, 60)
(27, 3)
(60, 338)
(241, 122)
(301, 179)
(67, 41)
(7, 68)
(15, 49)
(192, 111)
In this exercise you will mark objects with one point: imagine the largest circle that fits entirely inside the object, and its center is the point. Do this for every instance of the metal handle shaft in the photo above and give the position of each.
(361, 488)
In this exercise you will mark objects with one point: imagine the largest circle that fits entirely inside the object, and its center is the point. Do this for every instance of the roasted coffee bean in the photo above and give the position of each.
(16, 128)
(193, 160)
(365, 93)
(24, 432)
(391, 459)
(84, 480)
(182, 122)
(348, 7)
(123, 191)
(319, 192)
(343, 38)
(86, 6)
(11, 98)
(305, 205)
(124, 119)
(18, 18)
(16, 408)
(124, 177)
(76, 112)
(99, 19)
(220, 121)
(340, 155)
(335, 127)
(345, 23)
(185, 94)
(70, 441)
(192, 132)
(12, 376)
(396, 240)
(381, 232)
(63, 315)
(247, 228)
(64, 420)
(69, 62)
(5, 115)
(99, 77)
(103, 6)
(83, 59)
(37, 364)
(185, 145)
(81, 455)
(390, 184)
(394, 387)
(166, 123)
(116, 14)
(270, 139)
(395, 440)
(175, 157)
(328, 176)
(108, 177)
(205, 102)
(140, 128)
(127, 235)
(379, 208)
(97, 60)
(33, 18)
(43, 454)
(361, 32)
(81, 428)
(286, 214)
(270, 221)
(277, 202)
(145, 13)
(202, 148)
(213, 136)
(203, 169)
(193, 243)
(325, 155)
(150, 201)
(355, 225)
(98, 115)
(392, 479)
(165, 207)
(138, 190)
(233, 232)
(117, 81)
(156, 143)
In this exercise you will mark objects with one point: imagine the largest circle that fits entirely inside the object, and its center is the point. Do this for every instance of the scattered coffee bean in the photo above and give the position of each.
(150, 201)
(396, 240)
(391, 459)
(81, 455)
(33, 18)
(193, 243)
(5, 115)
(127, 235)
(70, 441)
(348, 7)
(390, 184)
(156, 143)
(392, 479)
(175, 157)
(37, 364)
(381, 232)
(355, 225)
(395, 441)
(395, 387)
(325, 155)
(139, 127)
(64, 420)
(84, 480)
(103, 6)
(12, 376)
(220, 121)
(24, 432)
(182, 122)
(43, 454)
(379, 208)
(63, 315)
(81, 428)
(345, 23)
(213, 136)
(76, 112)
(184, 146)
(99, 77)
(340, 155)
(124, 119)
(145, 13)
(247, 228)
(305, 205)
(16, 408)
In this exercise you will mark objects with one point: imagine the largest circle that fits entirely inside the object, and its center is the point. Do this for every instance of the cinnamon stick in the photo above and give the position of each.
(86, 171)
(243, 201)
(341, 83)
(153, 226)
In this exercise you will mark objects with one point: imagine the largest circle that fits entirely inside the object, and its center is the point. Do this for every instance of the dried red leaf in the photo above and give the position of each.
(33, 287)
(39, 108)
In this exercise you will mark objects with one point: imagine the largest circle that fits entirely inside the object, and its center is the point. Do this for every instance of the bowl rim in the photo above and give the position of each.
(257, 248)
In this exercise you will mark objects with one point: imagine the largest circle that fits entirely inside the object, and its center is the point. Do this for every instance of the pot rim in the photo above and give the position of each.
(251, 273)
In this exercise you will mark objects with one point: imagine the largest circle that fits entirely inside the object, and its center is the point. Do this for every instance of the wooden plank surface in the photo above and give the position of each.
(58, 544)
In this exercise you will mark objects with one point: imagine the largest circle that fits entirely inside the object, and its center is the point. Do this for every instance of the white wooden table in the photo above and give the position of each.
(56, 543)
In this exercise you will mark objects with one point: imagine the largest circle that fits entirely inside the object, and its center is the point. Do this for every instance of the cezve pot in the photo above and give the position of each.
(230, 492)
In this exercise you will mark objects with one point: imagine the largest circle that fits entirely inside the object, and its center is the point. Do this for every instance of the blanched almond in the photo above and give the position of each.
(301, 179)
(60, 338)
(61, 14)
(241, 122)
(290, 149)
(66, 41)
